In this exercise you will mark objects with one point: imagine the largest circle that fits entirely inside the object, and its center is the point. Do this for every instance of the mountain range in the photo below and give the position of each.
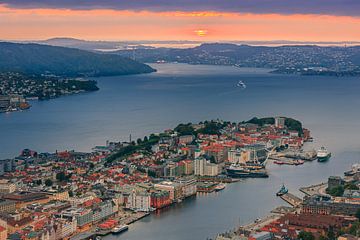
(33, 58)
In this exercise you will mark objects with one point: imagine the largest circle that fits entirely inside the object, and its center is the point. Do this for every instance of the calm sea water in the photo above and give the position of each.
(142, 104)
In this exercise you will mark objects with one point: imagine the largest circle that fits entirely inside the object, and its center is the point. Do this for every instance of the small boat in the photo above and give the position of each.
(241, 84)
(283, 190)
(119, 229)
(323, 154)
(220, 187)
(279, 162)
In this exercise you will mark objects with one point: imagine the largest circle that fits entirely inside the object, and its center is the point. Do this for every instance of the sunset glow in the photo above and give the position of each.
(110, 24)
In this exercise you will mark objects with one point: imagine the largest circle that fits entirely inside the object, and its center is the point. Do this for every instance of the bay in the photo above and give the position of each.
(143, 104)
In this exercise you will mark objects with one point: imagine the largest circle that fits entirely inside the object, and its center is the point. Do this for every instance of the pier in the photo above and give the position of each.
(291, 199)
(314, 189)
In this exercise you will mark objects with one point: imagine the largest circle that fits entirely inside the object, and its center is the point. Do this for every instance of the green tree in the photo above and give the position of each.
(61, 176)
(306, 236)
(48, 182)
(357, 214)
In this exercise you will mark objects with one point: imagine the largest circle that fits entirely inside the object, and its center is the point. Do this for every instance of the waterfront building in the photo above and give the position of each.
(4, 102)
(160, 199)
(174, 189)
(188, 185)
(102, 211)
(139, 201)
(323, 205)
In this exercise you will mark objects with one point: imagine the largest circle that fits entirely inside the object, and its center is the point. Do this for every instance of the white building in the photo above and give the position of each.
(139, 201)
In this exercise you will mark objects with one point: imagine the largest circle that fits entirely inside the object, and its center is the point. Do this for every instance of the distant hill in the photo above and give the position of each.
(299, 59)
(61, 61)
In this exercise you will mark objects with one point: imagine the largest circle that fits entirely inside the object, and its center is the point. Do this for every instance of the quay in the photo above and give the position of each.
(314, 189)
(260, 223)
(291, 199)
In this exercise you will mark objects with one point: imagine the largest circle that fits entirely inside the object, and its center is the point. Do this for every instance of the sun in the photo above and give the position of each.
(201, 32)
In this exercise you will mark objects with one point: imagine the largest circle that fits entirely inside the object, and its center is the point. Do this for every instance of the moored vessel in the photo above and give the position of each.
(219, 187)
(283, 190)
(323, 154)
(119, 229)
(239, 171)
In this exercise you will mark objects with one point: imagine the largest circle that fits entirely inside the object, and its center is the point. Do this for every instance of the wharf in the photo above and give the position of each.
(84, 236)
(291, 199)
(134, 218)
(283, 210)
(260, 223)
(314, 189)
(296, 154)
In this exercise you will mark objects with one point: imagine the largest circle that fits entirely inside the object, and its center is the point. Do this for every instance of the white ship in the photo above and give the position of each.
(119, 229)
(241, 84)
(323, 154)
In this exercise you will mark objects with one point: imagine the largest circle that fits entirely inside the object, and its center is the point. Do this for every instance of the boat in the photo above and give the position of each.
(354, 169)
(283, 190)
(220, 187)
(241, 84)
(239, 171)
(119, 229)
(323, 154)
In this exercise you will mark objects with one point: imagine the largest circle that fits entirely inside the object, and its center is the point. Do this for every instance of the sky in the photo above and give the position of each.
(200, 20)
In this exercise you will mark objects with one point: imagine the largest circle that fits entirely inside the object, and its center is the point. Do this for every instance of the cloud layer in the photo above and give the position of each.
(329, 7)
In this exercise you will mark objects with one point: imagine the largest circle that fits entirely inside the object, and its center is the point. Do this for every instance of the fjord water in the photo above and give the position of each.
(142, 104)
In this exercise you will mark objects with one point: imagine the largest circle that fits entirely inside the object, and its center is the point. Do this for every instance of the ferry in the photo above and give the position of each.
(322, 154)
(283, 190)
(120, 229)
(241, 84)
(238, 171)
(220, 187)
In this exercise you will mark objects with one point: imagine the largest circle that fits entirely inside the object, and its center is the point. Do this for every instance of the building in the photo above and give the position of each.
(323, 205)
(139, 201)
(102, 211)
(6, 187)
(335, 181)
(65, 228)
(3, 233)
(202, 167)
(4, 102)
(174, 189)
(25, 198)
(186, 139)
(160, 199)
(188, 185)
(279, 122)
(7, 206)
(189, 167)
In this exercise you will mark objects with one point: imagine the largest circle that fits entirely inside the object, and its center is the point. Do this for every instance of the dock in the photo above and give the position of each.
(258, 224)
(291, 199)
(314, 189)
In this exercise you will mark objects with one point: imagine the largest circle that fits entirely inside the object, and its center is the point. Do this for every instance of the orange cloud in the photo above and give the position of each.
(109, 24)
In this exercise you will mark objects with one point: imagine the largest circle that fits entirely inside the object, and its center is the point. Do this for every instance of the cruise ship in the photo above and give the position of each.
(323, 154)
(239, 171)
